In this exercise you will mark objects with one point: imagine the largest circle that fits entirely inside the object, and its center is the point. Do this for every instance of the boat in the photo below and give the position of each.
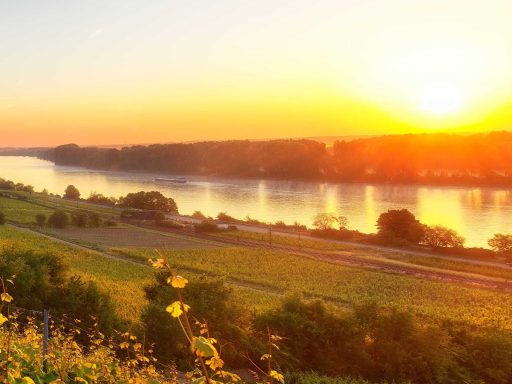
(178, 180)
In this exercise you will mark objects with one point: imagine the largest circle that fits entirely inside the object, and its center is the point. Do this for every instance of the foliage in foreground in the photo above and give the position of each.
(102, 360)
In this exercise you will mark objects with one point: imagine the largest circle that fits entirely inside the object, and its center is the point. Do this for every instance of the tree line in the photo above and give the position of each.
(479, 159)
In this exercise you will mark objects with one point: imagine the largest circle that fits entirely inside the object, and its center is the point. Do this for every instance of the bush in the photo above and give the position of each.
(98, 198)
(206, 226)
(7, 184)
(42, 282)
(502, 245)
(198, 215)
(79, 218)
(2, 218)
(170, 224)
(209, 299)
(336, 234)
(371, 343)
(442, 237)
(159, 217)
(40, 219)
(223, 216)
(93, 219)
(58, 219)
(110, 223)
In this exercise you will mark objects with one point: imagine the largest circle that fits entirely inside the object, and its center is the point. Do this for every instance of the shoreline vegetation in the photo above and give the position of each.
(425, 159)
(397, 228)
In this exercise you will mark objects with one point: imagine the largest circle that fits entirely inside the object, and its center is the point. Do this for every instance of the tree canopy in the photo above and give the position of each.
(152, 200)
(71, 192)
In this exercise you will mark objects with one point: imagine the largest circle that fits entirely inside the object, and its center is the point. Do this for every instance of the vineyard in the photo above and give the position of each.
(261, 278)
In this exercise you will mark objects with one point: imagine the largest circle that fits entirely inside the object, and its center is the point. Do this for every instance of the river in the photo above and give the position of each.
(476, 213)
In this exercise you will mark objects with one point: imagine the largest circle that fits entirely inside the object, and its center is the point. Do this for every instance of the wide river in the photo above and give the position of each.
(476, 213)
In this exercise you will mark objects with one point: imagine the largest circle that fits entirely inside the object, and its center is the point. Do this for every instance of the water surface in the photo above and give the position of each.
(476, 213)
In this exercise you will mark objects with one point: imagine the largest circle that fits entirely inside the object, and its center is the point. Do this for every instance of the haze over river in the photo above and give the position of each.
(476, 213)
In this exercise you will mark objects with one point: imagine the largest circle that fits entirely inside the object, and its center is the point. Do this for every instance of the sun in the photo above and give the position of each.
(441, 98)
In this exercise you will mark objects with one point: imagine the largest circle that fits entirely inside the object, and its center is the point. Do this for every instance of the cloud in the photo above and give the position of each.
(96, 33)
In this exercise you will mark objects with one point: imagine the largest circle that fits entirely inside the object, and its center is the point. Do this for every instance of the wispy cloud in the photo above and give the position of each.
(96, 33)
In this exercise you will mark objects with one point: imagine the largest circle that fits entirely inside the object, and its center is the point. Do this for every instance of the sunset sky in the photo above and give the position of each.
(103, 72)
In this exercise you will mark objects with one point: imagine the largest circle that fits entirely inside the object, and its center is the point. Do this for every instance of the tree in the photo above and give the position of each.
(400, 224)
(71, 193)
(342, 222)
(152, 200)
(439, 236)
(324, 221)
(501, 244)
(58, 219)
(40, 219)
(28, 188)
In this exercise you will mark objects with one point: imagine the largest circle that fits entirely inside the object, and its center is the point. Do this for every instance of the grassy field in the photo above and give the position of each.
(129, 236)
(346, 286)
(122, 280)
(262, 276)
(288, 241)
(372, 254)
(21, 211)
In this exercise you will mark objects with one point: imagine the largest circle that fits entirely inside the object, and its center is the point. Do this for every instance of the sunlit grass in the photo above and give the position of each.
(123, 281)
(347, 286)
(20, 211)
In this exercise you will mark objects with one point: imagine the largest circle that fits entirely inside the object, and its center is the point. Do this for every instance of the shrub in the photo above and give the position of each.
(2, 218)
(42, 282)
(58, 219)
(442, 237)
(337, 234)
(40, 219)
(170, 224)
(223, 216)
(198, 215)
(98, 198)
(93, 219)
(280, 224)
(371, 343)
(159, 217)
(110, 223)
(206, 226)
(209, 299)
(79, 218)
(501, 244)
(7, 184)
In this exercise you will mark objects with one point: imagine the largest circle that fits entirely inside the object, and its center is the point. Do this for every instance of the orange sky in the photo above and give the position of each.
(102, 72)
